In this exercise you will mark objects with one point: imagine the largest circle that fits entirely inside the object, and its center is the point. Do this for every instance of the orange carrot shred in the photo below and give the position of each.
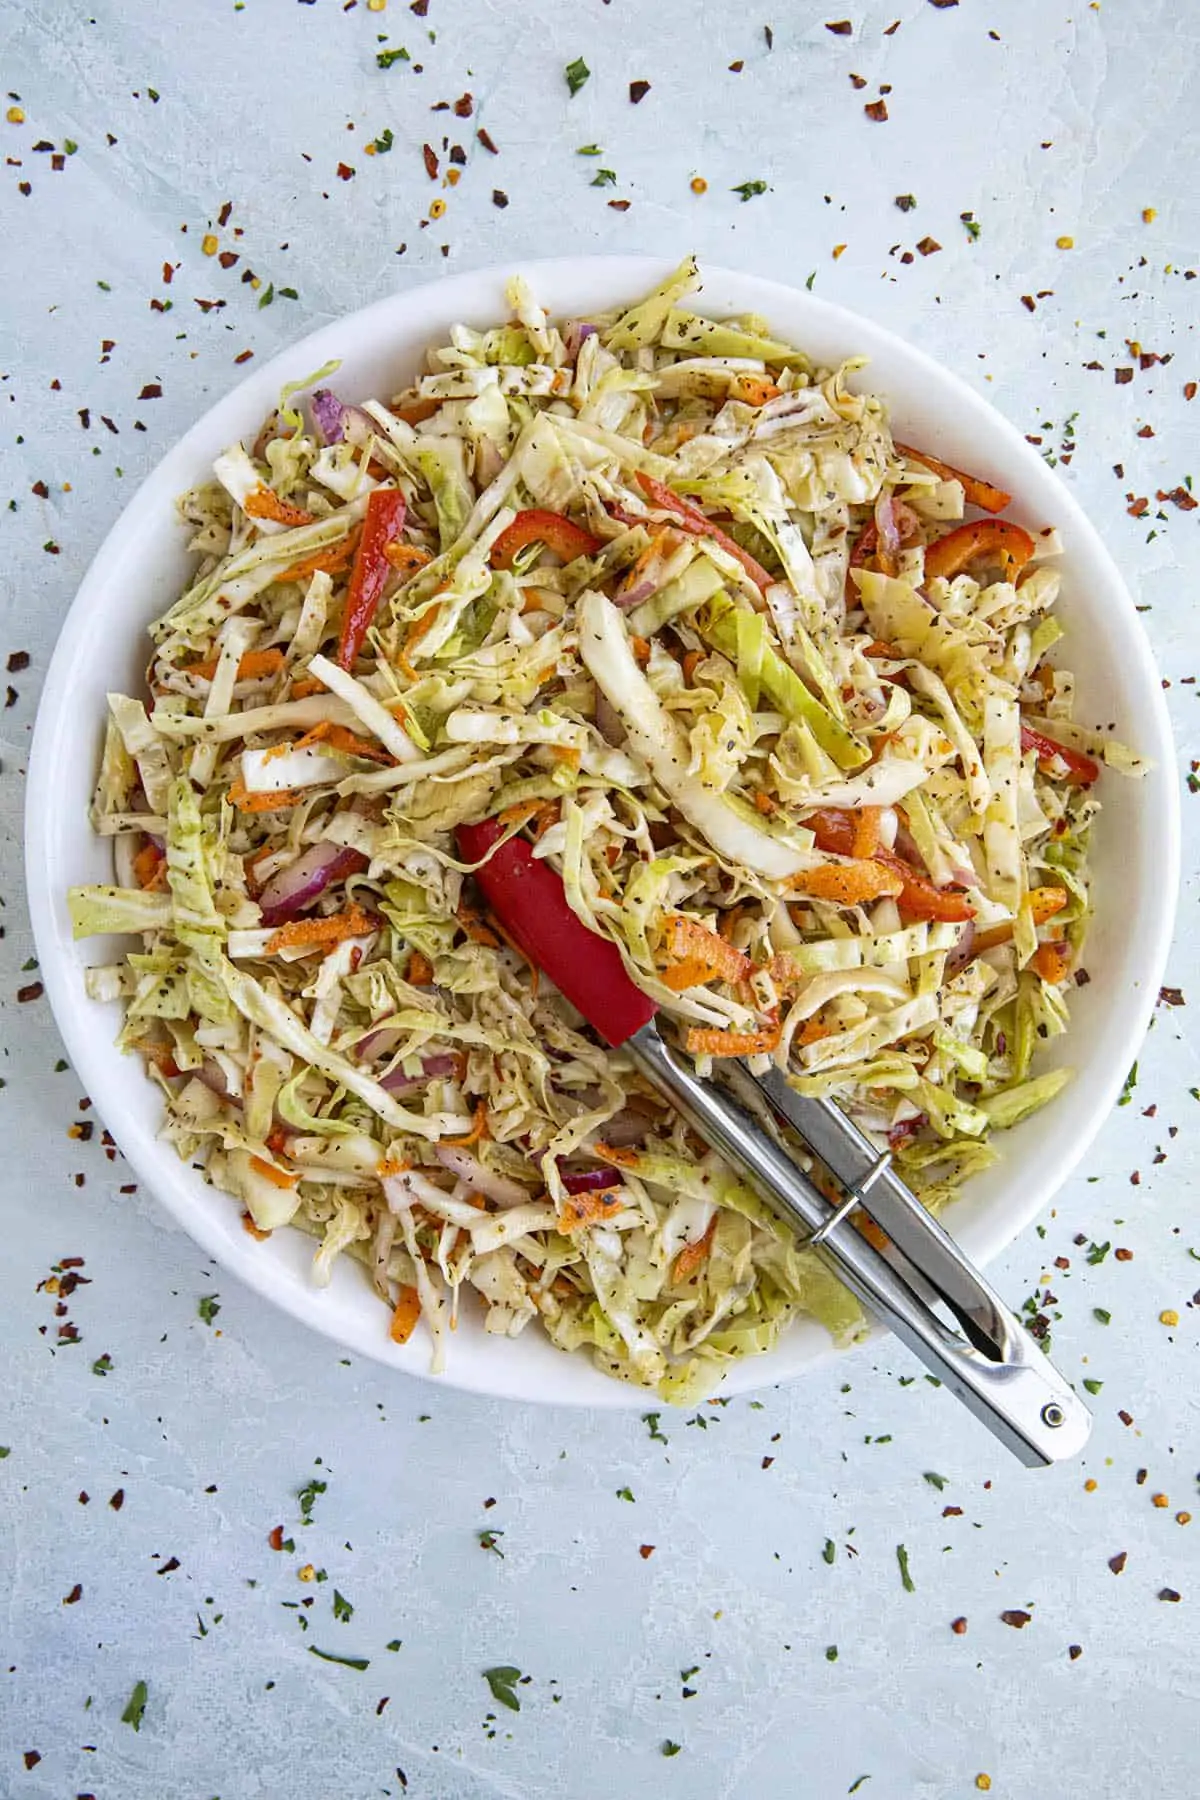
(1044, 902)
(479, 1129)
(420, 970)
(1052, 961)
(272, 802)
(252, 1230)
(254, 666)
(709, 1041)
(585, 1209)
(693, 1256)
(848, 883)
(321, 934)
(404, 1318)
(150, 868)
(264, 503)
(866, 831)
(280, 1178)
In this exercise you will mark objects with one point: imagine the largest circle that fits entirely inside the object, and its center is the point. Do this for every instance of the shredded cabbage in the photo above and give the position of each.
(810, 794)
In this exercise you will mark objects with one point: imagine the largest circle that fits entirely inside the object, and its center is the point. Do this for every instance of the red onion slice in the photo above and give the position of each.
(586, 1181)
(306, 879)
(885, 523)
(431, 1068)
(963, 951)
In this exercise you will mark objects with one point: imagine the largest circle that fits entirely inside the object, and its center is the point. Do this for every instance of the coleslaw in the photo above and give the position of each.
(773, 693)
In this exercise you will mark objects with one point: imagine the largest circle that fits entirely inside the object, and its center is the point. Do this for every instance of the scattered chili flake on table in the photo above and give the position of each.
(839, 27)
(928, 246)
(906, 202)
(877, 110)
(1117, 1563)
(1169, 1594)
(959, 1627)
(1016, 1617)
(638, 91)
(645, 1551)
(499, 197)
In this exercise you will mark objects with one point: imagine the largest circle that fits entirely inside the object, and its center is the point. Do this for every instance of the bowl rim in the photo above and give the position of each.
(95, 1058)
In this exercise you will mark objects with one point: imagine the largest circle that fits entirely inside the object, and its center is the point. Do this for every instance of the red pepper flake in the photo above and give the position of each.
(1169, 1594)
(485, 138)
(1121, 376)
(275, 1538)
(959, 1627)
(1182, 499)
(34, 991)
(499, 198)
(379, 1708)
(420, 7)
(639, 89)
(1138, 507)
(345, 172)
(646, 1551)
(151, 391)
(168, 1567)
(32, 1758)
(224, 214)
(464, 106)
(227, 258)
(18, 662)
(952, 1512)
(1123, 1255)
(877, 110)
(858, 81)
(1117, 1563)
(244, 357)
(1126, 1418)
(735, 68)
(1189, 390)
(1028, 302)
(1171, 996)
(1016, 1618)
(943, 4)
(619, 205)
(118, 1500)
(892, 29)
(1074, 1651)
(75, 1594)
(767, 1461)
(431, 161)
(1146, 431)
(839, 27)
(928, 246)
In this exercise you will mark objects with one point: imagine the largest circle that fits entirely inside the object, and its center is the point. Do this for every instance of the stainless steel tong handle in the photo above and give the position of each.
(1012, 1387)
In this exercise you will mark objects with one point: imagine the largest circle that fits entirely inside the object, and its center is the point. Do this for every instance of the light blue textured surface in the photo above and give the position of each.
(1070, 125)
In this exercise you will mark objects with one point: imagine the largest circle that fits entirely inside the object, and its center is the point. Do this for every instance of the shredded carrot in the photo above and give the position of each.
(476, 930)
(880, 647)
(755, 390)
(848, 883)
(709, 1041)
(641, 650)
(479, 1129)
(1052, 961)
(992, 938)
(162, 1058)
(699, 955)
(518, 815)
(693, 1256)
(338, 738)
(532, 600)
(420, 970)
(812, 1031)
(548, 814)
(254, 666)
(614, 1153)
(585, 1209)
(866, 831)
(1044, 902)
(415, 412)
(276, 802)
(566, 754)
(252, 1229)
(278, 1141)
(691, 663)
(393, 1165)
(405, 1316)
(325, 562)
(305, 685)
(280, 1178)
(321, 934)
(150, 868)
(416, 631)
(866, 1227)
(406, 557)
(264, 503)
(763, 802)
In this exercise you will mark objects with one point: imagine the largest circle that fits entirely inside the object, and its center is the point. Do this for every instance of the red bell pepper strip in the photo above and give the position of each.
(555, 530)
(383, 524)
(1081, 770)
(834, 828)
(996, 540)
(692, 520)
(980, 493)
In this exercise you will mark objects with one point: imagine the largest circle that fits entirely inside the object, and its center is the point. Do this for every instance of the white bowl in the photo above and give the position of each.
(142, 564)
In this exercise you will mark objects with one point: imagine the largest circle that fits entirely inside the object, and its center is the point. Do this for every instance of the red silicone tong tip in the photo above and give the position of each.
(528, 899)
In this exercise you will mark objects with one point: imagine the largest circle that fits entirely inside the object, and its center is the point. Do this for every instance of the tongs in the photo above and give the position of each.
(990, 1363)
